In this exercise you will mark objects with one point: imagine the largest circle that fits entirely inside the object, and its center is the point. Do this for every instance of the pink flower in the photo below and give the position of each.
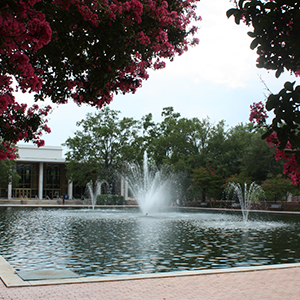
(291, 167)
(272, 140)
(258, 114)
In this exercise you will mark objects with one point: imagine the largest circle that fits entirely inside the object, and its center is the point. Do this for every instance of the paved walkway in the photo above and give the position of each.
(271, 284)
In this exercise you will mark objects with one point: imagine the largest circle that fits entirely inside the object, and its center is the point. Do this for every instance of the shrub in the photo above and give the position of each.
(110, 199)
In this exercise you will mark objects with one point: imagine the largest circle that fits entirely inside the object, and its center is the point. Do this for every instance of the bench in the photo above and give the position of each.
(235, 205)
(276, 206)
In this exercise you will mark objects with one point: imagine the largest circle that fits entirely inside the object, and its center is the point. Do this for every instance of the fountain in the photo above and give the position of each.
(152, 188)
(245, 196)
(118, 241)
(94, 190)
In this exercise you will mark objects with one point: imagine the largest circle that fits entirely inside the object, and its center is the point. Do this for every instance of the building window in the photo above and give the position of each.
(52, 176)
(25, 171)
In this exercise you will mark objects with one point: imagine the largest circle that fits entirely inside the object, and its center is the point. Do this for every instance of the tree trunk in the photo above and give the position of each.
(203, 195)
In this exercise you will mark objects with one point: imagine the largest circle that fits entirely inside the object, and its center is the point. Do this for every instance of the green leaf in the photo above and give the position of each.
(254, 43)
(272, 102)
(295, 96)
(279, 71)
(297, 119)
(270, 5)
(266, 134)
(289, 86)
(288, 118)
(231, 12)
(241, 2)
(237, 17)
(294, 140)
(251, 34)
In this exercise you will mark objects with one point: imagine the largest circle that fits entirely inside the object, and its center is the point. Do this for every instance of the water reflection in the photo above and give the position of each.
(103, 242)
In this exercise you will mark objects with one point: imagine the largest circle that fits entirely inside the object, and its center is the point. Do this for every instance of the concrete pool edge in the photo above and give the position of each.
(202, 209)
(10, 278)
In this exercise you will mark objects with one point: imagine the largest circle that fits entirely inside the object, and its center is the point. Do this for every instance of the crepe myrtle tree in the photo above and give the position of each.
(275, 32)
(85, 50)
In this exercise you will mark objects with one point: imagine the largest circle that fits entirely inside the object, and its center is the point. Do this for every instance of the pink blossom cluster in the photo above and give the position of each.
(131, 13)
(291, 168)
(88, 12)
(7, 151)
(258, 114)
(22, 123)
(16, 119)
(24, 30)
(209, 171)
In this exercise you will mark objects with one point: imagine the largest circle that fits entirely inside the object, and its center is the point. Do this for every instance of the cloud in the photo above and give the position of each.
(223, 56)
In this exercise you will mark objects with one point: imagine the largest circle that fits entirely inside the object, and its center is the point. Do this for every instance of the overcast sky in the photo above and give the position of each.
(216, 79)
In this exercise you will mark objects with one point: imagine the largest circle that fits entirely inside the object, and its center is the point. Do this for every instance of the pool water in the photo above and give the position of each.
(123, 241)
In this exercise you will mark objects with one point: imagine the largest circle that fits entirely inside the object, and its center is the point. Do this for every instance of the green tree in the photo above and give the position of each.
(150, 135)
(209, 180)
(219, 152)
(180, 141)
(8, 173)
(278, 188)
(259, 159)
(225, 148)
(241, 178)
(237, 140)
(100, 148)
(241, 149)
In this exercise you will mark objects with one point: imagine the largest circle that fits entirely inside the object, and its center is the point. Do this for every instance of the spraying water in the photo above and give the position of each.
(94, 191)
(245, 196)
(152, 188)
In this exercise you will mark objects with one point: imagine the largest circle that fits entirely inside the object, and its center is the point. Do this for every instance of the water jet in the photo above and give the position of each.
(151, 187)
(245, 195)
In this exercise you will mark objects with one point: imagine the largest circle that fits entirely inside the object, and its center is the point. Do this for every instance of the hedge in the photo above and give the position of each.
(108, 199)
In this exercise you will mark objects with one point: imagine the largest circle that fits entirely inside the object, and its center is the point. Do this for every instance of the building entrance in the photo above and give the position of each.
(51, 193)
(21, 193)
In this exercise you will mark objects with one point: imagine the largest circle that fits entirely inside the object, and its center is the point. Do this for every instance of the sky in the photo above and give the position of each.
(217, 79)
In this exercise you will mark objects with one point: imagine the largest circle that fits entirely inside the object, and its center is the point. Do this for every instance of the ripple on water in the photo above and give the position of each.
(117, 241)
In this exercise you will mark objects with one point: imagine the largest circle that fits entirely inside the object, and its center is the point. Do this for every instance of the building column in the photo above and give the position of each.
(70, 190)
(41, 178)
(9, 191)
(124, 189)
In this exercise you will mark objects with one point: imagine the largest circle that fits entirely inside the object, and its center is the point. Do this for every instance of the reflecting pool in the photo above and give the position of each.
(123, 241)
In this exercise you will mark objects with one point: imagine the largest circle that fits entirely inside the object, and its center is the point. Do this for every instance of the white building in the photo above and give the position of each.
(43, 175)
